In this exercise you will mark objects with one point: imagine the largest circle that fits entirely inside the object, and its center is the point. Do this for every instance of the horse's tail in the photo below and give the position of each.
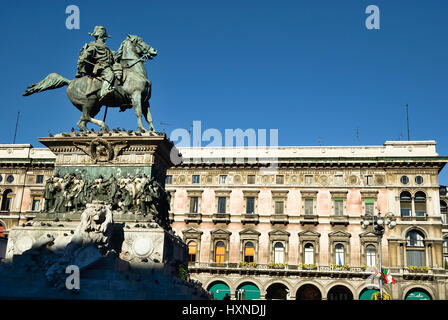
(52, 81)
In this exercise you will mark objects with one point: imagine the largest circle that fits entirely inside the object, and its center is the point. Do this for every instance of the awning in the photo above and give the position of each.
(418, 295)
(367, 294)
(250, 292)
(219, 290)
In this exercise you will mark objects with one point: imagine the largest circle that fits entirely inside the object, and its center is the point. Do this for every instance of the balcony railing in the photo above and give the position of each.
(339, 220)
(309, 219)
(317, 271)
(193, 217)
(221, 218)
(279, 219)
(250, 218)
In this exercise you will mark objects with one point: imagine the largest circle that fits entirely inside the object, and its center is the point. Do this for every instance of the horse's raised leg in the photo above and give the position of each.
(137, 104)
(86, 116)
(147, 114)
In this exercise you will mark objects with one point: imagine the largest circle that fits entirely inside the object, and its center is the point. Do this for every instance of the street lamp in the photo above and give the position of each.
(379, 224)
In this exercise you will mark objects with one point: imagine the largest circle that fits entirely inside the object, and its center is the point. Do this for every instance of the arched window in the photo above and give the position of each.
(249, 252)
(339, 250)
(415, 248)
(220, 252)
(192, 251)
(445, 253)
(6, 200)
(420, 204)
(405, 204)
(279, 252)
(309, 254)
(443, 211)
(371, 255)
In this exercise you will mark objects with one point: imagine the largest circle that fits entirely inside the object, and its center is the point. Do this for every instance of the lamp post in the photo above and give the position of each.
(379, 224)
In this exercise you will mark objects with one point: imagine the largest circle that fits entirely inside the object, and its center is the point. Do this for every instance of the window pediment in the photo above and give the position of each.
(309, 233)
(249, 232)
(192, 231)
(339, 234)
(221, 232)
(279, 233)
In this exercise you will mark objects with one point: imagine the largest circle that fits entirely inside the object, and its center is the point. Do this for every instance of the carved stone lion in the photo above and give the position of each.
(96, 224)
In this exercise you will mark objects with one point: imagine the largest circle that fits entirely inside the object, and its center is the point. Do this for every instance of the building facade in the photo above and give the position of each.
(285, 222)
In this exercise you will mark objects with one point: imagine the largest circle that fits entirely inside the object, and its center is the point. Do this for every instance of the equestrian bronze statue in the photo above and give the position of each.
(107, 78)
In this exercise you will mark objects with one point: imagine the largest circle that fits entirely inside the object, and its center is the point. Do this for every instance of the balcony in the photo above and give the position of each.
(250, 218)
(279, 219)
(306, 271)
(193, 218)
(221, 218)
(309, 219)
(339, 220)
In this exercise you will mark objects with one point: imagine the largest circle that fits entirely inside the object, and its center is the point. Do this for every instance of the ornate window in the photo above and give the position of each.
(309, 206)
(279, 206)
(420, 204)
(220, 252)
(192, 251)
(371, 255)
(194, 199)
(279, 252)
(279, 246)
(220, 245)
(250, 201)
(7, 200)
(309, 254)
(249, 252)
(339, 199)
(309, 247)
(369, 243)
(222, 201)
(249, 244)
(222, 204)
(339, 247)
(415, 248)
(279, 200)
(405, 204)
(339, 254)
(369, 198)
(192, 237)
(309, 202)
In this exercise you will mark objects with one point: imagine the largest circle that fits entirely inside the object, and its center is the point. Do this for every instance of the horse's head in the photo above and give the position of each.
(135, 46)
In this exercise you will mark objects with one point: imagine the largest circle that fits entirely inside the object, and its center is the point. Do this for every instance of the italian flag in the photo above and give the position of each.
(387, 276)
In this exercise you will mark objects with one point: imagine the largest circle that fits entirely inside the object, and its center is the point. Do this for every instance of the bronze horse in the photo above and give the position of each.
(136, 92)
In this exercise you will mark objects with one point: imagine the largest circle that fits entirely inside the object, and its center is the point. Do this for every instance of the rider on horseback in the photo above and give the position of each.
(96, 59)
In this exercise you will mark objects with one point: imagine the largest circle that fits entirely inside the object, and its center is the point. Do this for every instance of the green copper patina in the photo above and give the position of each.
(105, 78)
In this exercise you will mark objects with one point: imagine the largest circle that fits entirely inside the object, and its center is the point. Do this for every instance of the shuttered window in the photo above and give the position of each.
(339, 207)
(309, 204)
(220, 252)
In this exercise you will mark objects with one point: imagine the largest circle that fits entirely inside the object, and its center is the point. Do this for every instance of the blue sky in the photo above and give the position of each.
(310, 69)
